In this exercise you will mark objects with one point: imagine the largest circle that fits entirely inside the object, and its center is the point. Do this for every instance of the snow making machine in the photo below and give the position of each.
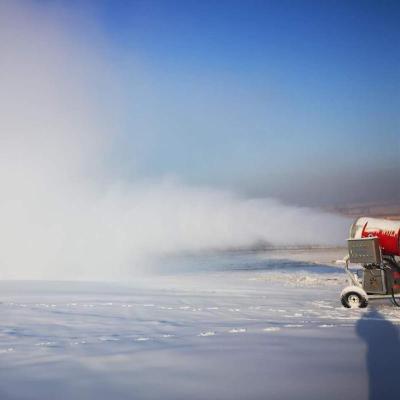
(375, 244)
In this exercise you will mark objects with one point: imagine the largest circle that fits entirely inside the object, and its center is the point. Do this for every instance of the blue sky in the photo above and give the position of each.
(294, 99)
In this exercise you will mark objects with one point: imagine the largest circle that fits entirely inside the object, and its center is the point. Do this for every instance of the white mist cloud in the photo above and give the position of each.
(62, 217)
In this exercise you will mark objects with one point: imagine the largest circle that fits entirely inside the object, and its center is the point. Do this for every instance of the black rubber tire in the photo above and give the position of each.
(346, 303)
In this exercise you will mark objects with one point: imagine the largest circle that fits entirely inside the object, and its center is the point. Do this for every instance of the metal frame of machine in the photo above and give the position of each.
(379, 273)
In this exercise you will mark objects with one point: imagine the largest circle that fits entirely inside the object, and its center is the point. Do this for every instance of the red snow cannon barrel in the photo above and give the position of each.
(387, 232)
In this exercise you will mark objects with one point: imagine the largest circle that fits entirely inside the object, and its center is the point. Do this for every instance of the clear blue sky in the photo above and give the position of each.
(297, 99)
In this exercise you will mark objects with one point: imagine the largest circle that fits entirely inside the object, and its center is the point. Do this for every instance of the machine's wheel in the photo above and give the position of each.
(354, 297)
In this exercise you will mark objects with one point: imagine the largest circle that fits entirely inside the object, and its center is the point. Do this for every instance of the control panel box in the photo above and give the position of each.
(364, 251)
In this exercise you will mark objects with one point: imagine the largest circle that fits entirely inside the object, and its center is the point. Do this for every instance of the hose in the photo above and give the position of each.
(394, 301)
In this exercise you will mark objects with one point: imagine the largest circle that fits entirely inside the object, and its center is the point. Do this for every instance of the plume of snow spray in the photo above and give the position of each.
(61, 214)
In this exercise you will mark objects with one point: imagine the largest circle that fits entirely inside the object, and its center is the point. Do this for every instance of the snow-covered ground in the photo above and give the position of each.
(239, 325)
